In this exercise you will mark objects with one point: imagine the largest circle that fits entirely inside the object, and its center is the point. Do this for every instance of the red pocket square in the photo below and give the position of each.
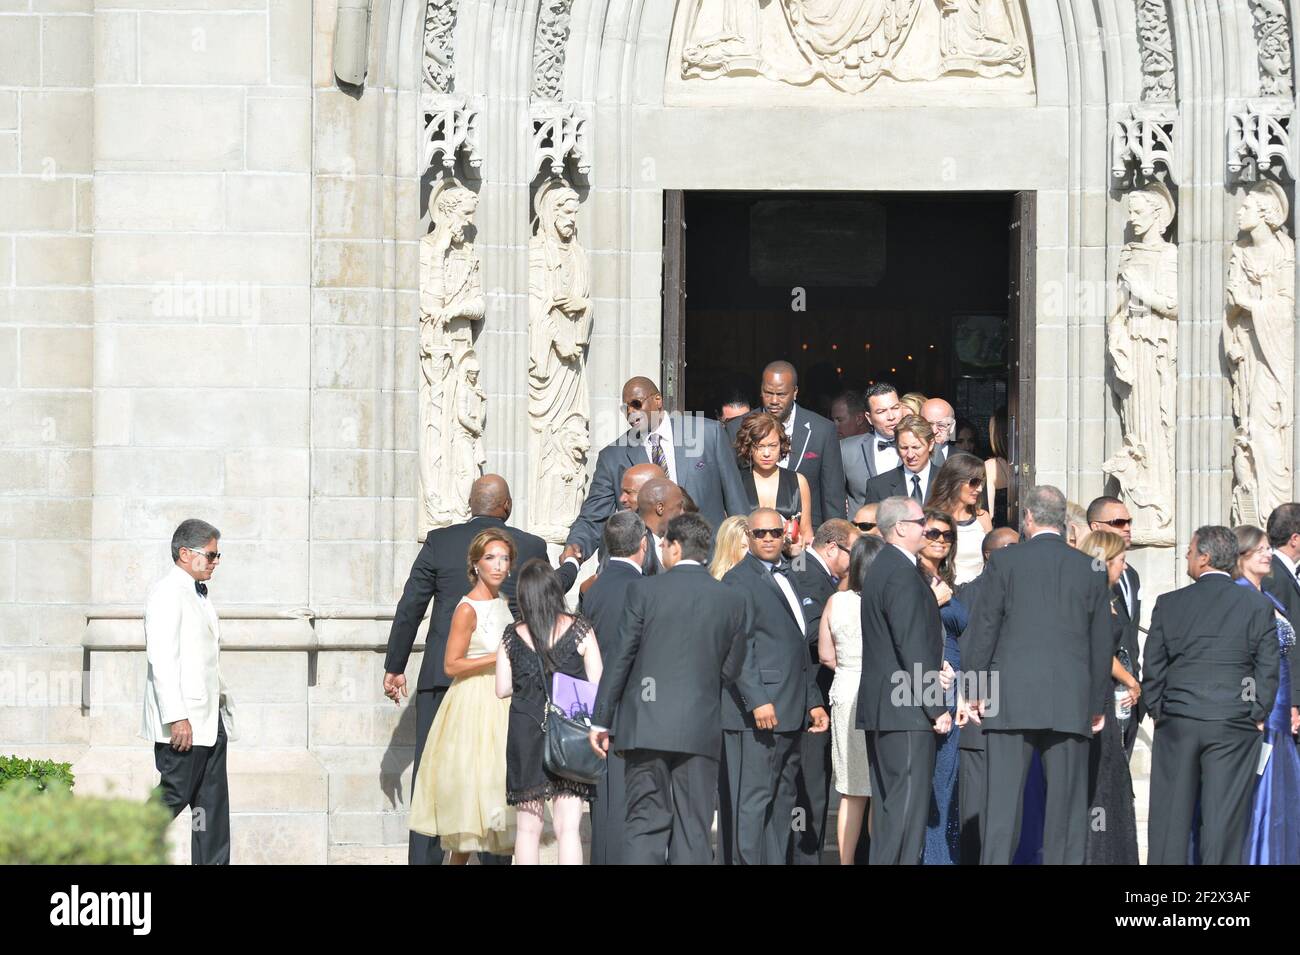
(810, 455)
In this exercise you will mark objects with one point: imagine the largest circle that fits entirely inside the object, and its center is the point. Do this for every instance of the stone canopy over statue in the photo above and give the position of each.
(1142, 342)
(559, 333)
(1259, 343)
(853, 43)
(451, 403)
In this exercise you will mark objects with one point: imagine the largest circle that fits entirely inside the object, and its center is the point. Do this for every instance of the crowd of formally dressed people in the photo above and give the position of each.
(781, 603)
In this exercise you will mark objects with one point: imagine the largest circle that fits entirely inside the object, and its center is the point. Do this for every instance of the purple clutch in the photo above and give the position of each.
(575, 698)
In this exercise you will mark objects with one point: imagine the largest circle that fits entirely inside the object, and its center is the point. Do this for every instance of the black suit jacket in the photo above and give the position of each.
(682, 638)
(895, 483)
(815, 586)
(605, 602)
(1282, 584)
(1043, 629)
(901, 633)
(1130, 622)
(777, 668)
(1209, 642)
(706, 469)
(814, 453)
(439, 574)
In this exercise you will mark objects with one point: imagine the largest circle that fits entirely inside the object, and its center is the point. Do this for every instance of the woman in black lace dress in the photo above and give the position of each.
(522, 666)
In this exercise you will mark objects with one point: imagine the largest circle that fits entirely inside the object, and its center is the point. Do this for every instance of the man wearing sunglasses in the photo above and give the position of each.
(1108, 513)
(902, 637)
(693, 451)
(188, 714)
(765, 712)
(864, 519)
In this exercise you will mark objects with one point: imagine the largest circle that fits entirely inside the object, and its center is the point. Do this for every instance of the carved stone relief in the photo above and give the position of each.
(1157, 49)
(451, 403)
(559, 332)
(1259, 342)
(1142, 342)
(1273, 42)
(549, 43)
(853, 43)
(439, 46)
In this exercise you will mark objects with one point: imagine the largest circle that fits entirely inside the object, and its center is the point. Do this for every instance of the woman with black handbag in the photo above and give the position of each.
(540, 765)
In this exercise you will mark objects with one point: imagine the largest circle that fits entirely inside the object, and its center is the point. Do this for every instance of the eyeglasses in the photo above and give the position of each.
(864, 526)
(1263, 550)
(911, 520)
(636, 404)
(211, 555)
(1118, 523)
(975, 483)
(934, 534)
(758, 533)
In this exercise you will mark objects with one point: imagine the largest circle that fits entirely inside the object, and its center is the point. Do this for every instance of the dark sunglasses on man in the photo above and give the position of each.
(1118, 523)
(758, 533)
(636, 404)
(864, 526)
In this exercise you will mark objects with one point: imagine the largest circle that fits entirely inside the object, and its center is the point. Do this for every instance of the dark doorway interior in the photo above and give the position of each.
(852, 288)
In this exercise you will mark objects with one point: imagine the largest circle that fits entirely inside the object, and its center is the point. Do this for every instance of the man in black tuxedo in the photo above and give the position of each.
(440, 574)
(693, 451)
(766, 710)
(915, 475)
(1042, 630)
(817, 574)
(1211, 678)
(624, 546)
(1108, 513)
(1282, 580)
(901, 703)
(682, 638)
(814, 444)
(659, 501)
(972, 775)
(634, 478)
(867, 455)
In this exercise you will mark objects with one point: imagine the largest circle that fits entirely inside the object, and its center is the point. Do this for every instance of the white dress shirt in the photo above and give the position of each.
(790, 596)
(886, 459)
(629, 561)
(818, 557)
(923, 474)
(908, 554)
(665, 432)
(788, 426)
(1286, 561)
(1126, 588)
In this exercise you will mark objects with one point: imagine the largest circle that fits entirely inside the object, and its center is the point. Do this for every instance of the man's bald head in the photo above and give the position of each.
(658, 502)
(942, 418)
(635, 478)
(999, 538)
(779, 389)
(643, 405)
(489, 496)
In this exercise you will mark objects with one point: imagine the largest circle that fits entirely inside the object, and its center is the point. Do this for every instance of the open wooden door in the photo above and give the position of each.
(674, 304)
(1020, 345)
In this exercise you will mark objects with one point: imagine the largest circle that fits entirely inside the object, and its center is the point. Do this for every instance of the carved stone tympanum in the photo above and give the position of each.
(559, 331)
(1142, 340)
(451, 311)
(1259, 341)
(852, 43)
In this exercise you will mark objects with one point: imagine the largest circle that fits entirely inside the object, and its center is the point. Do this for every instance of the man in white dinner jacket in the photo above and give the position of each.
(187, 712)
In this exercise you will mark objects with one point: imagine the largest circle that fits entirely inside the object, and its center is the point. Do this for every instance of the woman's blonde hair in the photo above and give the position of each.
(1104, 544)
(730, 545)
(913, 401)
(478, 547)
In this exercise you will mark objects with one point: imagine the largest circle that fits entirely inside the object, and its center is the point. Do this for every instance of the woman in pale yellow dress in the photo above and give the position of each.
(459, 794)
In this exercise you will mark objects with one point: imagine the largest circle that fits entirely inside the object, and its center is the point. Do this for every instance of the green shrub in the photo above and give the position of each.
(62, 829)
(39, 774)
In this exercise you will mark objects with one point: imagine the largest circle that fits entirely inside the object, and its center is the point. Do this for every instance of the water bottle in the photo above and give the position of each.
(1122, 709)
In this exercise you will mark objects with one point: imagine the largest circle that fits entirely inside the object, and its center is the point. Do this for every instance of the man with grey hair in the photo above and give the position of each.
(902, 640)
(1040, 641)
(187, 712)
(1212, 668)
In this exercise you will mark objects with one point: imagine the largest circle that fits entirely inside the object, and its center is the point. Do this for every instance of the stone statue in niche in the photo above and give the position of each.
(1259, 342)
(852, 43)
(559, 331)
(467, 454)
(1142, 341)
(451, 312)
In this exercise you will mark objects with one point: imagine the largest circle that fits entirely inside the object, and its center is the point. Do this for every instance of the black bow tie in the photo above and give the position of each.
(200, 588)
(883, 445)
(782, 569)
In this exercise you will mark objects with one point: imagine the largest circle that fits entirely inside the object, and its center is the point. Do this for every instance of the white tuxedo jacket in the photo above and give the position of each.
(182, 638)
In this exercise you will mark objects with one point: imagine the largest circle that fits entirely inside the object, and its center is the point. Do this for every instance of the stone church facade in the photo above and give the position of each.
(304, 269)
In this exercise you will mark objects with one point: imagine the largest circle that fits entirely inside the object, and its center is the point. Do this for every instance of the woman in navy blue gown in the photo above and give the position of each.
(1274, 837)
(936, 564)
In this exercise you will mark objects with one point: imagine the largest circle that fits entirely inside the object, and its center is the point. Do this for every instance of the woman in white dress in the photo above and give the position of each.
(958, 492)
(459, 793)
(839, 645)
